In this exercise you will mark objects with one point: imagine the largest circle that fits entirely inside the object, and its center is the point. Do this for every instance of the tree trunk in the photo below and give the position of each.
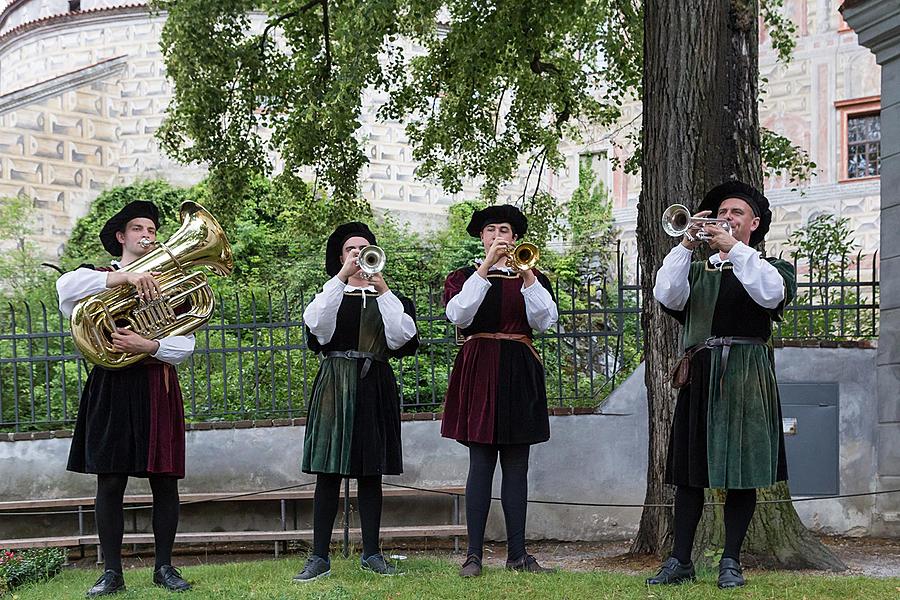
(700, 128)
(680, 56)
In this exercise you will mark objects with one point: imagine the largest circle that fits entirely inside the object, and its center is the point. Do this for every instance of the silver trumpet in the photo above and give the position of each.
(677, 222)
(371, 261)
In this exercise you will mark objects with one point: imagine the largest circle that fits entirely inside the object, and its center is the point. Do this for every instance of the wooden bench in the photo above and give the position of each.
(279, 537)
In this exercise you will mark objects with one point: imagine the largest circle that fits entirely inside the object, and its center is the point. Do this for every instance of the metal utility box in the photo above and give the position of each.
(811, 437)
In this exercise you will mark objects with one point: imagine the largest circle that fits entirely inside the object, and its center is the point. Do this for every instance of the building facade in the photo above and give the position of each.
(83, 90)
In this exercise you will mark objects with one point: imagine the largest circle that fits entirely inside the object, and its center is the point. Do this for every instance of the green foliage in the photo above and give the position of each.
(500, 82)
(781, 29)
(781, 156)
(32, 565)
(19, 270)
(511, 79)
(589, 232)
(480, 86)
(826, 239)
(823, 250)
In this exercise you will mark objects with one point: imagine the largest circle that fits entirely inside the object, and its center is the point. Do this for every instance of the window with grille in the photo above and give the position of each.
(860, 138)
(863, 146)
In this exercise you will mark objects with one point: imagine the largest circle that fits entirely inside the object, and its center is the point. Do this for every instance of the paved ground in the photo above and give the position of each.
(864, 556)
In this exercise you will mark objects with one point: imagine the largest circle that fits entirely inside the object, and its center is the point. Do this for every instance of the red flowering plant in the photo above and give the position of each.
(25, 566)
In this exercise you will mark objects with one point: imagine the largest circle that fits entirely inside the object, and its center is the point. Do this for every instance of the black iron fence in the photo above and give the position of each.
(251, 361)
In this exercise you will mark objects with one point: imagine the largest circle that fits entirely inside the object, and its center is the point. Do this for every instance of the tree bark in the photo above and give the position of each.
(679, 128)
(700, 128)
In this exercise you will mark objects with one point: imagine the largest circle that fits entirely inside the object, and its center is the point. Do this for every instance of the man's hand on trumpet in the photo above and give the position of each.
(350, 268)
(378, 283)
(496, 253)
(691, 239)
(719, 238)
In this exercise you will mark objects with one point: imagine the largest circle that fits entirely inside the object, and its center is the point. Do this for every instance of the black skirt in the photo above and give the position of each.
(130, 421)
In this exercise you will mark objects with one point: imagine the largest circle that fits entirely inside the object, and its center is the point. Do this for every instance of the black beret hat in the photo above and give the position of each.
(504, 213)
(335, 245)
(738, 189)
(133, 210)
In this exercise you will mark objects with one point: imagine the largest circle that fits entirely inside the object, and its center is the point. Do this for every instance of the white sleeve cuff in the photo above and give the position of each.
(175, 349)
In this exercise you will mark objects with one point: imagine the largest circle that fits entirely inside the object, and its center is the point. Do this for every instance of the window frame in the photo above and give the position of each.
(856, 107)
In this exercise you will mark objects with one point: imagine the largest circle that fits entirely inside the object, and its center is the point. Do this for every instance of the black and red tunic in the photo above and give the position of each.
(497, 393)
(130, 421)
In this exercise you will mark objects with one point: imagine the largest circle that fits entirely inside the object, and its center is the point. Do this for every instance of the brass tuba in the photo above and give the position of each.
(185, 303)
(523, 257)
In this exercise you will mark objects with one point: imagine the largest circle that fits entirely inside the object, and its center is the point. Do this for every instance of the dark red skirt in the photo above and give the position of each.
(496, 395)
(131, 422)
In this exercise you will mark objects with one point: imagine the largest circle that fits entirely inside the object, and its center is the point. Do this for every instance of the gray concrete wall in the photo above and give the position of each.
(599, 458)
(878, 27)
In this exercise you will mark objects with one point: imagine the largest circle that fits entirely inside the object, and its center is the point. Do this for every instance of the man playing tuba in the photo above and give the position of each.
(130, 420)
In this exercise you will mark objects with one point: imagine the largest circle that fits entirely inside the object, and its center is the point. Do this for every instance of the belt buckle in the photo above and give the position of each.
(709, 341)
(347, 355)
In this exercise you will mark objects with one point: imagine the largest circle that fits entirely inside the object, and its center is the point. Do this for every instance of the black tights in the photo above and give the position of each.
(513, 495)
(739, 507)
(110, 517)
(325, 507)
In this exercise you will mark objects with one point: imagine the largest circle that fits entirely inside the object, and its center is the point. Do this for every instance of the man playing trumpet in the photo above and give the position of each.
(353, 428)
(726, 431)
(496, 400)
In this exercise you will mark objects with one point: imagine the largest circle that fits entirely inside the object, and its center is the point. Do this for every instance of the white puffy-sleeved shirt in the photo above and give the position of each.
(760, 279)
(540, 308)
(321, 314)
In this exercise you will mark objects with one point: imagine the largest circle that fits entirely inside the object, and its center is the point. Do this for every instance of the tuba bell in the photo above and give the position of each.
(185, 303)
(371, 261)
(523, 257)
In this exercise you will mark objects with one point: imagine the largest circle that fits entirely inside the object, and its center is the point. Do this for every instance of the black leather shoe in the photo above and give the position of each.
(472, 566)
(673, 572)
(168, 577)
(110, 582)
(528, 564)
(378, 564)
(730, 574)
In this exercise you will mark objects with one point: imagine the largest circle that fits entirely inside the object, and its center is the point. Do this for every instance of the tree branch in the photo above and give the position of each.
(499, 105)
(538, 67)
(288, 15)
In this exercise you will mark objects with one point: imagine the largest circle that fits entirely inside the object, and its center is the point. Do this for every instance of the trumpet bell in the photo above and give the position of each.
(371, 260)
(676, 220)
(523, 257)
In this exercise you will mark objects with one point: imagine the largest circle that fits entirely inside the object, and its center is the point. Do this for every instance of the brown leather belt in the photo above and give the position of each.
(726, 343)
(511, 337)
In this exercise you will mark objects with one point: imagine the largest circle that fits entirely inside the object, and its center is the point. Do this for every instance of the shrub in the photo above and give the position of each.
(27, 566)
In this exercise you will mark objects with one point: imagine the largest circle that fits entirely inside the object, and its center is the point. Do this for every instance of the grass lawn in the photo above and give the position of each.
(425, 579)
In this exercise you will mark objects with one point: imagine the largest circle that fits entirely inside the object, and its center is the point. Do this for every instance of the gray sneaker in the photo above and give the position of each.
(378, 564)
(315, 568)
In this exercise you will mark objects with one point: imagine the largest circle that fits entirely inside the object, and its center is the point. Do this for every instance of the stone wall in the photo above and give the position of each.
(590, 458)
